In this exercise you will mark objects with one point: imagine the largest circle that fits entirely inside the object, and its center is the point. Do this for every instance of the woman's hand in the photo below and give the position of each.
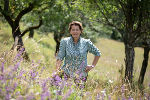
(58, 64)
(88, 68)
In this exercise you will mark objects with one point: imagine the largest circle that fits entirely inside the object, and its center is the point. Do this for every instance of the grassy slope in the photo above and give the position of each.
(112, 60)
(42, 47)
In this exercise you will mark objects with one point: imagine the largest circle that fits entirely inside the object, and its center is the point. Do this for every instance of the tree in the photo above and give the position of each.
(14, 10)
(145, 43)
(128, 18)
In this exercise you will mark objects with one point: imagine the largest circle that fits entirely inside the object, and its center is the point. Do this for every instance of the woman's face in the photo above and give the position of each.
(75, 31)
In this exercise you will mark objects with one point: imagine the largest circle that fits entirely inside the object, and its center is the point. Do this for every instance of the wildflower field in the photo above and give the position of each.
(32, 80)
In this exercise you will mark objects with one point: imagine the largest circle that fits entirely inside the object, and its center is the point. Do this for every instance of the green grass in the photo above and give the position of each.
(106, 75)
(112, 59)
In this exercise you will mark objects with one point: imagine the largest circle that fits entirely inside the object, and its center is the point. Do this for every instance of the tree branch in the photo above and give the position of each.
(23, 12)
(7, 17)
(123, 7)
(141, 19)
(6, 5)
(107, 21)
(31, 28)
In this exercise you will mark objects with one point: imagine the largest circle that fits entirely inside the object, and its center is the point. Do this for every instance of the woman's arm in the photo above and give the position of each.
(89, 67)
(61, 54)
(96, 58)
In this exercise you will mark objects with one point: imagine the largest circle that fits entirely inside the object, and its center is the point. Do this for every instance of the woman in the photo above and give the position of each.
(74, 49)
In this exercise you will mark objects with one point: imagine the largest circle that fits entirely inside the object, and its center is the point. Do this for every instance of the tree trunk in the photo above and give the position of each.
(129, 62)
(31, 33)
(57, 47)
(57, 39)
(144, 65)
(18, 42)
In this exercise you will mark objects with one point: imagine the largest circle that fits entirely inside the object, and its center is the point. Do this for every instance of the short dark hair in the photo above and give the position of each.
(76, 23)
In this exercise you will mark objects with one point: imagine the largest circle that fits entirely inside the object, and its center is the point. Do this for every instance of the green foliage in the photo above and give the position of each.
(57, 17)
(115, 35)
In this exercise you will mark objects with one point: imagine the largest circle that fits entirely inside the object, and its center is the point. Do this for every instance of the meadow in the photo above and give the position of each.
(32, 80)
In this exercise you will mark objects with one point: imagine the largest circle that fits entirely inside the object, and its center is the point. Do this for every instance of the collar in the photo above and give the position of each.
(73, 41)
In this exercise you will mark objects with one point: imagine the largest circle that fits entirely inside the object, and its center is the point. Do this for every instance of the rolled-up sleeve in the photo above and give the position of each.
(93, 49)
(62, 50)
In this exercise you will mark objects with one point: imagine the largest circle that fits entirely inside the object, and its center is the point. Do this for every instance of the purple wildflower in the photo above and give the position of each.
(17, 93)
(77, 81)
(45, 95)
(33, 74)
(10, 75)
(1, 77)
(81, 75)
(123, 98)
(98, 96)
(2, 67)
(14, 86)
(82, 86)
(44, 88)
(21, 73)
(30, 97)
(67, 94)
(19, 54)
(20, 98)
(69, 84)
(65, 77)
(56, 80)
(42, 70)
(8, 90)
(103, 94)
(109, 97)
(62, 85)
(16, 66)
(82, 65)
(7, 97)
(122, 89)
(44, 84)
(59, 92)
(39, 61)
(146, 95)
(130, 98)
(32, 62)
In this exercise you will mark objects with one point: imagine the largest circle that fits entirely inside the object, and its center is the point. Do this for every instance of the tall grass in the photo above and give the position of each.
(20, 79)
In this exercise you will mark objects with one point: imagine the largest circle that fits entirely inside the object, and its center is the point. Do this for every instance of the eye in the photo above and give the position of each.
(73, 29)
